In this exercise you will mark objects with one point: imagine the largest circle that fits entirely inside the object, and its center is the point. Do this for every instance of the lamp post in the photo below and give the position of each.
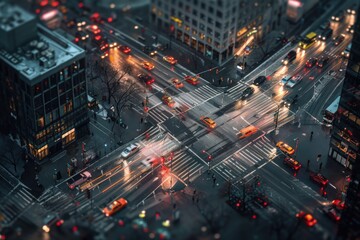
(276, 119)
(222, 101)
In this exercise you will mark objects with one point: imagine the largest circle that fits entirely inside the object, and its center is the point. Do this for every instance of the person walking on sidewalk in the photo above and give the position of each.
(308, 165)
(320, 166)
(311, 135)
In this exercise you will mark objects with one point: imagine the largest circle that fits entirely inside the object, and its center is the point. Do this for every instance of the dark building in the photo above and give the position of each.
(43, 90)
(345, 139)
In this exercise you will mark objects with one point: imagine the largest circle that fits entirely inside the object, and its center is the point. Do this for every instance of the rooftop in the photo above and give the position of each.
(42, 55)
(12, 16)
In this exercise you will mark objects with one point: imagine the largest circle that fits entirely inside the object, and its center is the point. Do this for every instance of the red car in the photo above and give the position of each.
(295, 165)
(307, 218)
(311, 62)
(319, 179)
(125, 49)
(332, 213)
(338, 204)
(147, 79)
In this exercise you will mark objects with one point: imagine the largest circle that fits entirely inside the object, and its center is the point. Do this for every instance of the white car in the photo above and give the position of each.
(294, 81)
(130, 150)
(285, 80)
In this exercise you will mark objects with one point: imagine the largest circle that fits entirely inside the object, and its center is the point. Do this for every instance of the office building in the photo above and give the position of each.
(215, 28)
(344, 146)
(42, 83)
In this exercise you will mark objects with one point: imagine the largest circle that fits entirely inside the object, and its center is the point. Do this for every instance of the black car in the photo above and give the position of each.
(149, 50)
(291, 56)
(326, 34)
(338, 17)
(290, 101)
(259, 80)
(311, 62)
(339, 39)
(322, 61)
(147, 79)
(247, 92)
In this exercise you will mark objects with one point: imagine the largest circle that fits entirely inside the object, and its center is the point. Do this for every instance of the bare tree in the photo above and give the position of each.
(112, 78)
(9, 155)
(215, 216)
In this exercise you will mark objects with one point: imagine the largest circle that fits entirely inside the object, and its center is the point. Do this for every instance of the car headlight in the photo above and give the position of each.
(337, 19)
(348, 10)
(333, 18)
(353, 12)
(323, 38)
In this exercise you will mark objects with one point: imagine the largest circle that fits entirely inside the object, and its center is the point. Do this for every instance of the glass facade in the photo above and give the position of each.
(49, 113)
(344, 146)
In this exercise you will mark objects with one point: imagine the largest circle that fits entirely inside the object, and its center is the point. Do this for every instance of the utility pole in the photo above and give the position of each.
(276, 119)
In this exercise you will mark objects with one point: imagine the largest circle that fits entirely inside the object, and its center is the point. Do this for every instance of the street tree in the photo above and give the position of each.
(9, 155)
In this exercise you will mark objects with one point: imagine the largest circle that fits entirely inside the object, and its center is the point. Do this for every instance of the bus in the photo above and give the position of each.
(308, 41)
(330, 111)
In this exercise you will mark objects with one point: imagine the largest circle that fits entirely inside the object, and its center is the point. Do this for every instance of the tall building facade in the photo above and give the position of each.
(214, 27)
(43, 84)
(345, 139)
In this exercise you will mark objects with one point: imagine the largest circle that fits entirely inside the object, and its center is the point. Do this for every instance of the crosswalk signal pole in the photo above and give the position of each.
(276, 119)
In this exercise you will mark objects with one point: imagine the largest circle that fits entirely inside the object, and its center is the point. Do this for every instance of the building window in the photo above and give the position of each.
(211, 9)
(180, 4)
(202, 16)
(209, 40)
(210, 20)
(37, 89)
(68, 137)
(202, 36)
(187, 28)
(187, 19)
(209, 31)
(42, 152)
(217, 24)
(202, 26)
(194, 12)
(194, 22)
(41, 122)
(219, 14)
(194, 32)
(203, 5)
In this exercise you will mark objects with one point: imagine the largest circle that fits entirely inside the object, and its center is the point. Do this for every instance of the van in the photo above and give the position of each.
(246, 132)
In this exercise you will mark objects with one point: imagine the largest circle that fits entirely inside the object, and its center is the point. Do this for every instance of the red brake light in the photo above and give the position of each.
(110, 19)
(55, 3)
(76, 39)
(37, 11)
(43, 3)
(80, 4)
(97, 37)
(59, 223)
(254, 216)
(75, 229)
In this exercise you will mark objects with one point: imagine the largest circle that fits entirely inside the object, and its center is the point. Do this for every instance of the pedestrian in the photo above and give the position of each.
(197, 200)
(193, 198)
(320, 166)
(214, 181)
(308, 164)
(311, 135)
(194, 192)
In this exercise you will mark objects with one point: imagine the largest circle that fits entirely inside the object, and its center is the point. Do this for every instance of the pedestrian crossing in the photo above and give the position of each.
(15, 204)
(235, 92)
(239, 163)
(197, 97)
(185, 166)
(159, 115)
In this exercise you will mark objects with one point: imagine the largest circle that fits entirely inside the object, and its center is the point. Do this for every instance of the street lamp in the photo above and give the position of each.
(105, 145)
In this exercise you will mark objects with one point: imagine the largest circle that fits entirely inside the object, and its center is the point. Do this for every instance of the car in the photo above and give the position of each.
(311, 62)
(115, 206)
(290, 57)
(346, 52)
(148, 66)
(149, 50)
(150, 162)
(322, 61)
(338, 17)
(338, 204)
(290, 101)
(319, 179)
(81, 35)
(339, 39)
(104, 55)
(193, 80)
(70, 23)
(170, 60)
(332, 213)
(247, 131)
(352, 10)
(285, 148)
(294, 80)
(350, 29)
(285, 80)
(325, 25)
(177, 83)
(146, 78)
(261, 200)
(307, 218)
(125, 49)
(326, 34)
(247, 93)
(51, 220)
(168, 100)
(78, 179)
(208, 122)
(130, 150)
(113, 45)
(259, 80)
(292, 163)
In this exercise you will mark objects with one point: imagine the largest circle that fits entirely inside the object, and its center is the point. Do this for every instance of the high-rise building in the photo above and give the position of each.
(215, 27)
(345, 139)
(43, 90)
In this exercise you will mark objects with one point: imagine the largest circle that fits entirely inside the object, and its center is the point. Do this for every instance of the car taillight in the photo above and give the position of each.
(59, 223)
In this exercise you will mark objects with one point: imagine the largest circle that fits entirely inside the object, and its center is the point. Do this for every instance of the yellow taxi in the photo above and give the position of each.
(168, 101)
(192, 80)
(177, 83)
(208, 122)
(285, 148)
(170, 60)
(114, 207)
(148, 66)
